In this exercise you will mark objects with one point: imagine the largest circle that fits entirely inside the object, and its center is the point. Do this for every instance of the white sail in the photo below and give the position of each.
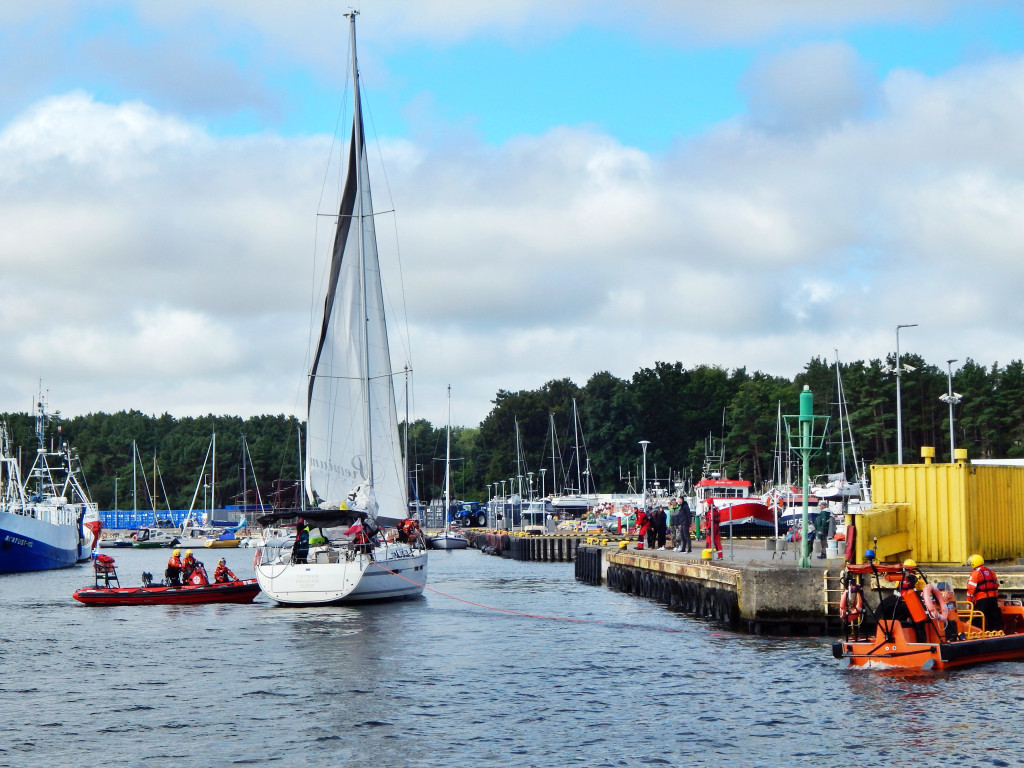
(353, 454)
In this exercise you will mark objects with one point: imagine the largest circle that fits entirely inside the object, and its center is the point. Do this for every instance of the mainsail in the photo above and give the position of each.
(353, 454)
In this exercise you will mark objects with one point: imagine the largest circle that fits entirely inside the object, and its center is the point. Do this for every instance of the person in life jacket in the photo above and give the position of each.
(222, 573)
(713, 524)
(188, 564)
(983, 593)
(173, 571)
(642, 524)
(408, 530)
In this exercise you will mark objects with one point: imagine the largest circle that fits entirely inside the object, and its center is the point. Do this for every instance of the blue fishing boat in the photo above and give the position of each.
(47, 521)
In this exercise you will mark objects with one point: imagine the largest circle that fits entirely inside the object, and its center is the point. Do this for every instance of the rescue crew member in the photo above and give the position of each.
(173, 572)
(223, 573)
(188, 564)
(713, 523)
(894, 607)
(407, 530)
(642, 524)
(983, 593)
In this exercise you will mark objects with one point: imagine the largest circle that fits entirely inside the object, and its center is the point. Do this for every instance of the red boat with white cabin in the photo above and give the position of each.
(735, 504)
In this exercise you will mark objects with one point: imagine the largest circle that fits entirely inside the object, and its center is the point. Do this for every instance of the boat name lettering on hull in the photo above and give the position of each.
(18, 541)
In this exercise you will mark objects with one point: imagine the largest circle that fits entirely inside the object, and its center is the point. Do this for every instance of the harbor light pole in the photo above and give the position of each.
(952, 398)
(504, 506)
(803, 444)
(644, 444)
(542, 472)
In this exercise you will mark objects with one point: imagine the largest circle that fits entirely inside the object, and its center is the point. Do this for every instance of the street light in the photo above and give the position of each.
(644, 444)
(898, 371)
(542, 494)
(952, 398)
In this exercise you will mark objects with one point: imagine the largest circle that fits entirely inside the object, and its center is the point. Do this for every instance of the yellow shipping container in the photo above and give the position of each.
(943, 513)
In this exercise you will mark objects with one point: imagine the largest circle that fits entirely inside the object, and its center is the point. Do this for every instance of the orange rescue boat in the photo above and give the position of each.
(921, 628)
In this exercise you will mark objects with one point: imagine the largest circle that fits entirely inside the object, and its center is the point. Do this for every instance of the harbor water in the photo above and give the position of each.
(506, 663)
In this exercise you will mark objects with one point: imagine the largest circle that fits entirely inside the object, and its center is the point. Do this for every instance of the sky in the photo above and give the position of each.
(597, 186)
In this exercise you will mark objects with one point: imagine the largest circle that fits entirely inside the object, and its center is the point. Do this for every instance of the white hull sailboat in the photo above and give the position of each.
(449, 538)
(355, 471)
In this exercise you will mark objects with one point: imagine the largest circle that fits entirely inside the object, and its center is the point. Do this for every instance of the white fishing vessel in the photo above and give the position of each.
(48, 521)
(449, 538)
(355, 471)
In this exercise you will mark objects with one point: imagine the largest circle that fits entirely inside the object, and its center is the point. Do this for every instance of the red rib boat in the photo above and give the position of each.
(108, 591)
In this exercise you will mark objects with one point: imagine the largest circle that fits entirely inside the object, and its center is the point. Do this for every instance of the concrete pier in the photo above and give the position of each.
(753, 588)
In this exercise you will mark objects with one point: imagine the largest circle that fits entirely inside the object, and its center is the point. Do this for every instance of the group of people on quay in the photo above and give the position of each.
(652, 526)
(179, 570)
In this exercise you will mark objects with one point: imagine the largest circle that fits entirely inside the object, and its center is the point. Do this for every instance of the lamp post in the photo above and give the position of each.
(542, 494)
(952, 398)
(899, 409)
(643, 445)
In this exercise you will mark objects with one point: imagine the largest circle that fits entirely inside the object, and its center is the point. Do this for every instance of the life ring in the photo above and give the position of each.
(851, 613)
(934, 604)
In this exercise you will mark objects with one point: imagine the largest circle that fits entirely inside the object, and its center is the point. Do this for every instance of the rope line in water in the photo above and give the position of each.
(520, 613)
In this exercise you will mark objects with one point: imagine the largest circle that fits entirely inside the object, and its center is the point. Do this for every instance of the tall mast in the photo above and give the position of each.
(360, 214)
(842, 436)
(448, 465)
(551, 417)
(405, 437)
(576, 431)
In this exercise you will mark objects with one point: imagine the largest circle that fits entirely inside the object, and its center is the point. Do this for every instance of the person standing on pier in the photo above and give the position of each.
(642, 524)
(713, 524)
(821, 525)
(659, 528)
(681, 533)
(676, 522)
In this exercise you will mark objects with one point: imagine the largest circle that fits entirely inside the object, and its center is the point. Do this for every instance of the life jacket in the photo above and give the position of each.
(982, 584)
(222, 574)
(174, 562)
(642, 521)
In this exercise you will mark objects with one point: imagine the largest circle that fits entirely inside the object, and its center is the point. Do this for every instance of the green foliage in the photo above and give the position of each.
(175, 447)
(685, 413)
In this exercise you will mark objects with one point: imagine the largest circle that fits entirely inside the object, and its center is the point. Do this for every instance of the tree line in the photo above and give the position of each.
(133, 460)
(584, 438)
(689, 414)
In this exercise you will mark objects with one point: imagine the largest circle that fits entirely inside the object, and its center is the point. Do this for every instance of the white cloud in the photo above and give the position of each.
(148, 264)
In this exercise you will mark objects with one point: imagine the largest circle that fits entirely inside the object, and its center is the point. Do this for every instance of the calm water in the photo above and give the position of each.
(442, 682)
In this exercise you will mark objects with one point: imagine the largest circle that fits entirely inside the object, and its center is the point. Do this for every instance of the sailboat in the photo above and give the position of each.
(449, 538)
(836, 486)
(355, 471)
(47, 521)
